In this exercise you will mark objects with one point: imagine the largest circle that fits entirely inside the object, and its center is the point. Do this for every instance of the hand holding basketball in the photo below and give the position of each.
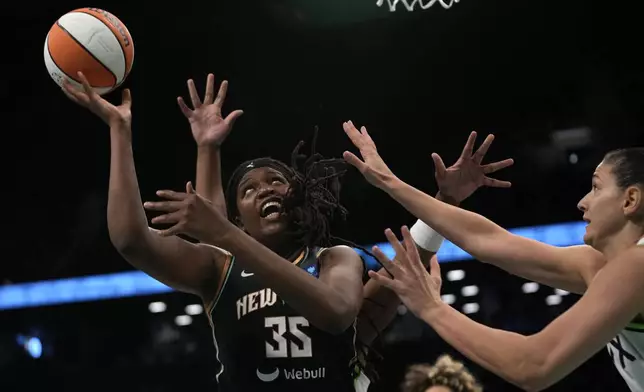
(418, 290)
(373, 168)
(208, 125)
(114, 116)
(93, 41)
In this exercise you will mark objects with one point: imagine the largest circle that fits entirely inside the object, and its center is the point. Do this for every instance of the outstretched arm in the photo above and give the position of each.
(209, 176)
(330, 304)
(455, 184)
(173, 261)
(530, 362)
(567, 268)
(209, 129)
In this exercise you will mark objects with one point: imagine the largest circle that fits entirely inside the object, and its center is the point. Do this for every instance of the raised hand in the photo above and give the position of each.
(418, 290)
(112, 115)
(457, 182)
(208, 125)
(188, 213)
(372, 167)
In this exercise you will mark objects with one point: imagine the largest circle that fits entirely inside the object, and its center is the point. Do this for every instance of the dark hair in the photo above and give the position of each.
(313, 198)
(445, 372)
(627, 166)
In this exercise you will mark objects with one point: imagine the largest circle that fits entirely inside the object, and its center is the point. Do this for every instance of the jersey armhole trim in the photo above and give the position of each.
(635, 327)
(228, 266)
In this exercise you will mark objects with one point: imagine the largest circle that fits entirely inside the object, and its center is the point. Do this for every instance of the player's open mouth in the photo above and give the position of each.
(271, 209)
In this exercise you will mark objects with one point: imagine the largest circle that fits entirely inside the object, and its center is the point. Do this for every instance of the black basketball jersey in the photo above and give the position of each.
(265, 345)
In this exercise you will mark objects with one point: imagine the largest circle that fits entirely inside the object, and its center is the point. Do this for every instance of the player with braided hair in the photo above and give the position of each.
(307, 206)
(304, 339)
(282, 301)
(312, 198)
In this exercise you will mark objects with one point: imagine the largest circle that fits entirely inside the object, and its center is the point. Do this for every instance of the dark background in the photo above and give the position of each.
(419, 81)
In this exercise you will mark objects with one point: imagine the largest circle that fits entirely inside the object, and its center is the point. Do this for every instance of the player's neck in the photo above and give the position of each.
(621, 241)
(289, 252)
(288, 249)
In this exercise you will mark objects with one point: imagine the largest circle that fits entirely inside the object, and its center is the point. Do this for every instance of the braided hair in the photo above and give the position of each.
(313, 198)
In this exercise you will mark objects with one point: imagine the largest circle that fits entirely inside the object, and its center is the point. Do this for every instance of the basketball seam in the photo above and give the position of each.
(53, 60)
(90, 53)
(127, 71)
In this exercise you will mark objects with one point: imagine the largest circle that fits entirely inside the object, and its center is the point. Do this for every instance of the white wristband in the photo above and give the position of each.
(425, 237)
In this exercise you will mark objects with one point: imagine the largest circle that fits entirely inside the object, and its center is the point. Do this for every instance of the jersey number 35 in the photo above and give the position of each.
(280, 349)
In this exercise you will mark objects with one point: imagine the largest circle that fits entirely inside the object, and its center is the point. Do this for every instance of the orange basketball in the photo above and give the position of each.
(94, 42)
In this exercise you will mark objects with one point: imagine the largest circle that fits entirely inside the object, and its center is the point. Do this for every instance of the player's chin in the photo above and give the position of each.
(588, 237)
(272, 227)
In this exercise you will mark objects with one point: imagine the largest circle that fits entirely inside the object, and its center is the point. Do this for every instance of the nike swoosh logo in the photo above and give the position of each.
(268, 377)
(245, 274)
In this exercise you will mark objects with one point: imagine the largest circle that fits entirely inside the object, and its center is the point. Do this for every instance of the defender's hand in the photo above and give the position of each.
(457, 182)
(372, 167)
